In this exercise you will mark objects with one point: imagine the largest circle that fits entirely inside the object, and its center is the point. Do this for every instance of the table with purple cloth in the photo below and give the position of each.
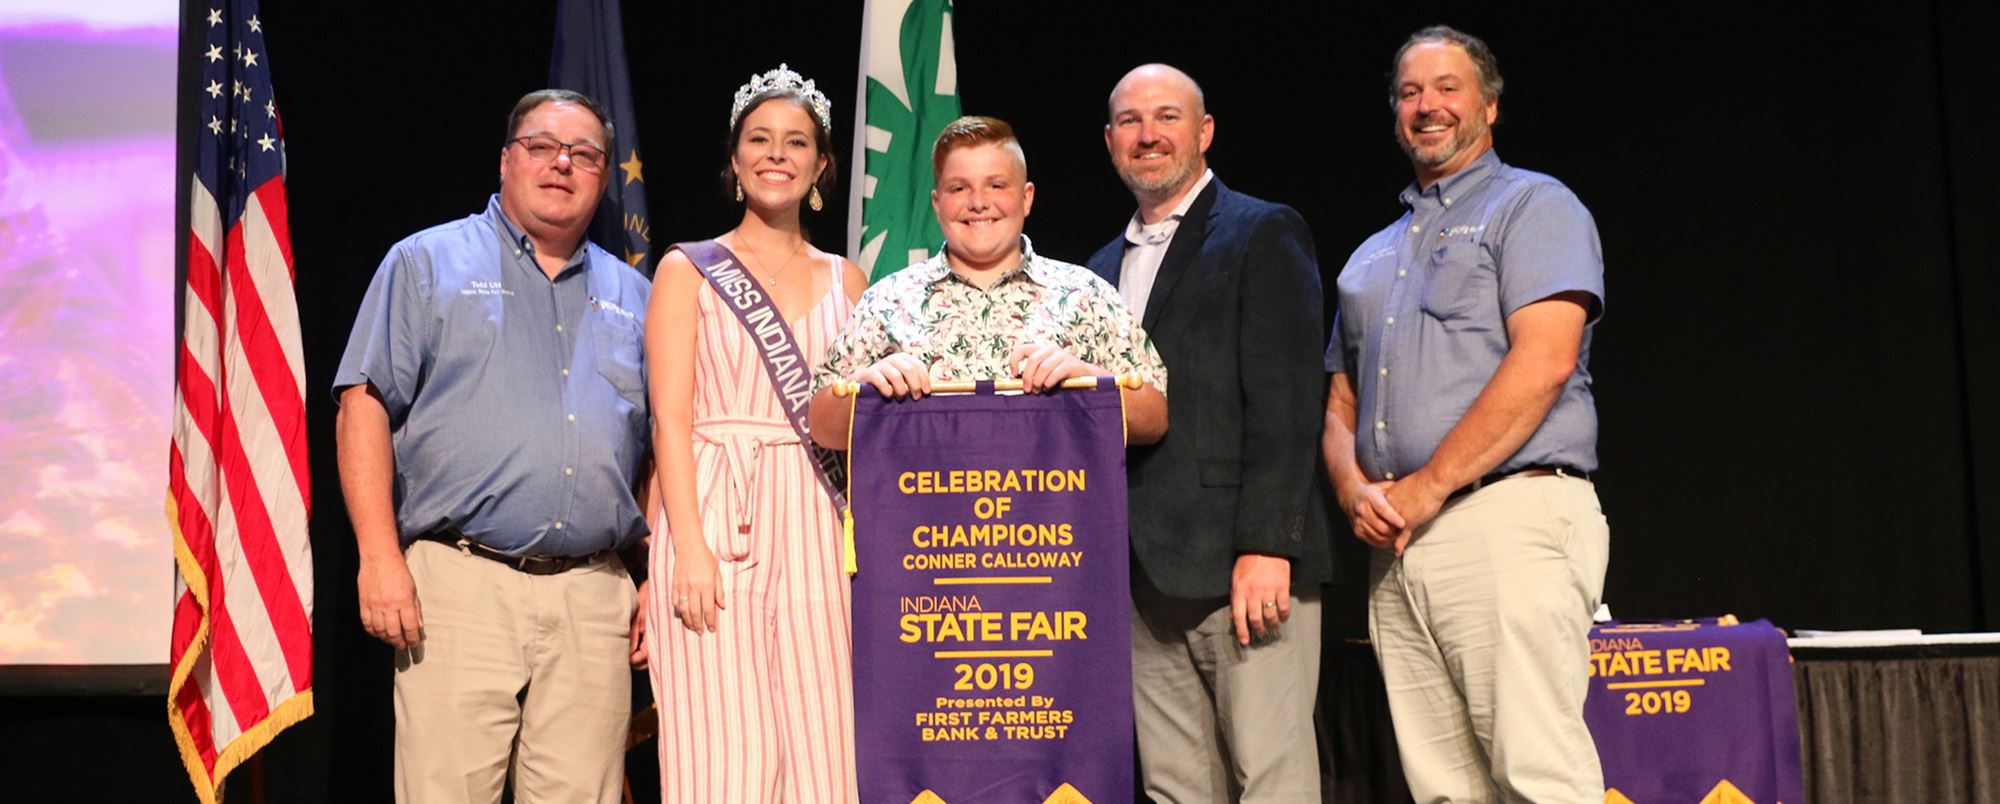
(1694, 711)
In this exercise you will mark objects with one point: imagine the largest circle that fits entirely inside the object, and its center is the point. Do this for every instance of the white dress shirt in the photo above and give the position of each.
(1148, 246)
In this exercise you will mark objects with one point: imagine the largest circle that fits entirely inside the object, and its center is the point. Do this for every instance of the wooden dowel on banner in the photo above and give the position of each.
(1130, 382)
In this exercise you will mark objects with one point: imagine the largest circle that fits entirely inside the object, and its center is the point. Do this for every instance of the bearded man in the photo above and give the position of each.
(1229, 537)
(1460, 437)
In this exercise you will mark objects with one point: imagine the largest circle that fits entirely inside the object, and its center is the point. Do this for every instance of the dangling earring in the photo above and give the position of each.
(739, 189)
(814, 202)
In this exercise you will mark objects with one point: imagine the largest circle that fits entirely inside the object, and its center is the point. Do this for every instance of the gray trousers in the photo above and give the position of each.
(1217, 721)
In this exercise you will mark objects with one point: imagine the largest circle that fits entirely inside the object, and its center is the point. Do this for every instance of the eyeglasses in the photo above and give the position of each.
(541, 148)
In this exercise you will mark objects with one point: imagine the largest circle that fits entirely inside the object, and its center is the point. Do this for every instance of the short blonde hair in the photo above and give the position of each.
(971, 131)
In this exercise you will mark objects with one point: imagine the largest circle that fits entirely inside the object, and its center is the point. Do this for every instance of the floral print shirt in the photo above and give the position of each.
(964, 333)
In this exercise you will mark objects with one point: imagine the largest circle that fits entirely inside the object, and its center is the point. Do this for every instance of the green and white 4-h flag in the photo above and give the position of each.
(908, 92)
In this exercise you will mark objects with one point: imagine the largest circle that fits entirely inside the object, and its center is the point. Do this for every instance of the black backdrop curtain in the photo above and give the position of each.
(1796, 372)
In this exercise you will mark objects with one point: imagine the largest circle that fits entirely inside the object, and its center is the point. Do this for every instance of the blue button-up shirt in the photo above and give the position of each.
(517, 404)
(1422, 323)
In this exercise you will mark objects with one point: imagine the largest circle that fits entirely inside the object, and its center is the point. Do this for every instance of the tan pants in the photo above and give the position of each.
(518, 667)
(1216, 721)
(1482, 629)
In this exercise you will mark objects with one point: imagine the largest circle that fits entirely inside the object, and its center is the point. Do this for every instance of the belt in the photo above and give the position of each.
(531, 565)
(1537, 470)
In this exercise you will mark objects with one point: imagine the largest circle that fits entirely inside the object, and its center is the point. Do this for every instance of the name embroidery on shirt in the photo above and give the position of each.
(483, 287)
(611, 307)
(1455, 231)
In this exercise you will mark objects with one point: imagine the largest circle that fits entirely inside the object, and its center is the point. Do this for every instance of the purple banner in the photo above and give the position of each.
(1694, 711)
(992, 646)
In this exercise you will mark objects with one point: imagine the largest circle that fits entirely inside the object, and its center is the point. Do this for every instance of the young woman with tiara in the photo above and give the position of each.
(748, 609)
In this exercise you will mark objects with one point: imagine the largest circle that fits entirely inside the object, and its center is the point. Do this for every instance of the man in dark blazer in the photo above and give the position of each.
(1228, 526)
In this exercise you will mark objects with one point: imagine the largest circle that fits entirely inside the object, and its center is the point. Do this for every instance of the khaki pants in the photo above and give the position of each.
(514, 671)
(1216, 721)
(1482, 629)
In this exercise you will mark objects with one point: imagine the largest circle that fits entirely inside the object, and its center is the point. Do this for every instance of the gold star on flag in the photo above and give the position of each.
(634, 170)
(215, 89)
(266, 141)
(215, 124)
(214, 53)
(250, 58)
(255, 26)
(214, 17)
(270, 109)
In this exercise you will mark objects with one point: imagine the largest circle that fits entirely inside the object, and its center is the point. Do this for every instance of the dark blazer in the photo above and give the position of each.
(1236, 314)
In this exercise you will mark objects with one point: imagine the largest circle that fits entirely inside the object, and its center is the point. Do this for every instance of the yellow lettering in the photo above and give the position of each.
(1627, 663)
(1685, 660)
(951, 627)
(1033, 625)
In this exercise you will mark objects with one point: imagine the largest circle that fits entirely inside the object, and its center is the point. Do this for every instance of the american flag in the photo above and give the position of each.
(238, 485)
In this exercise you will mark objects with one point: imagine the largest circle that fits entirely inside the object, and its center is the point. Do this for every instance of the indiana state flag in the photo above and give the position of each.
(590, 58)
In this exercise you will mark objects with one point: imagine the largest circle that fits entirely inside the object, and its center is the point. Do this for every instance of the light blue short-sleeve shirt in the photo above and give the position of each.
(517, 404)
(1422, 321)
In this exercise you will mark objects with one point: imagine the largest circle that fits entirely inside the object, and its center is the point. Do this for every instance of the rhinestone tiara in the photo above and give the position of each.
(789, 81)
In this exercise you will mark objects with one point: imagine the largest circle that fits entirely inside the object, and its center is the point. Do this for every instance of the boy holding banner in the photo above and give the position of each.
(988, 306)
(991, 661)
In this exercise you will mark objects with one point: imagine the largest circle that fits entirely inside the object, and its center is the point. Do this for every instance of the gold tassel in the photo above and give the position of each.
(847, 558)
(1124, 424)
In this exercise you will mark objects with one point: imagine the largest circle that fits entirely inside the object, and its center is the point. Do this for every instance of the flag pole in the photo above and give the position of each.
(857, 163)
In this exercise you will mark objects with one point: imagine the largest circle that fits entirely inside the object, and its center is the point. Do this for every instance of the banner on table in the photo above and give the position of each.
(1694, 711)
(992, 648)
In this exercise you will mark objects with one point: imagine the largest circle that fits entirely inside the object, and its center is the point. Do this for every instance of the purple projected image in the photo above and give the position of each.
(87, 248)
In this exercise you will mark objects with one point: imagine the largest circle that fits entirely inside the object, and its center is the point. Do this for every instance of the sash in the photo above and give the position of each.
(789, 369)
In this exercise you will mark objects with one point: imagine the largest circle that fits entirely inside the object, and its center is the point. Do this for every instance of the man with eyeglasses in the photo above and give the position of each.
(491, 435)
